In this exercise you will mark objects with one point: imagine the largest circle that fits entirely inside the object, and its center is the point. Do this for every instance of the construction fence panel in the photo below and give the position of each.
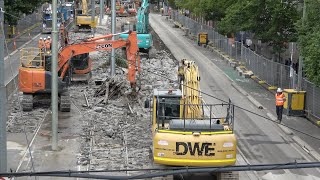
(209, 30)
(312, 104)
(181, 20)
(273, 73)
(316, 104)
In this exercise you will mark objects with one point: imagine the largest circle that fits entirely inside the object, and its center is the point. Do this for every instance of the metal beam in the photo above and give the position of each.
(54, 80)
(93, 14)
(101, 11)
(113, 31)
(3, 97)
(166, 171)
(300, 56)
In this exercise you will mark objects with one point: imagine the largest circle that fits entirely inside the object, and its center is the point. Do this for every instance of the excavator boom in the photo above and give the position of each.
(84, 7)
(35, 72)
(100, 44)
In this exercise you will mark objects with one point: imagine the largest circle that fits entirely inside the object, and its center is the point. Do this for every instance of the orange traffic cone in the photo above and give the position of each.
(14, 44)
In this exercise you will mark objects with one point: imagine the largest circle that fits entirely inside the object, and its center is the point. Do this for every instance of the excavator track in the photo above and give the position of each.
(65, 103)
(27, 102)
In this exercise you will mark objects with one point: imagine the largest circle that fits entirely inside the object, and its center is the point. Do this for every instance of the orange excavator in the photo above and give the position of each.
(35, 71)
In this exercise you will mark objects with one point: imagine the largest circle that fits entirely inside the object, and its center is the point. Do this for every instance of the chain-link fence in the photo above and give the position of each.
(26, 28)
(273, 73)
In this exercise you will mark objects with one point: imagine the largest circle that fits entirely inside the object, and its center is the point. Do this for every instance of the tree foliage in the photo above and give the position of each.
(309, 38)
(209, 9)
(16, 8)
(271, 21)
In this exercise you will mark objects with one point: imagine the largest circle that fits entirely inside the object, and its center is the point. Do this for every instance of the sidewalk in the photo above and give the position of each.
(267, 100)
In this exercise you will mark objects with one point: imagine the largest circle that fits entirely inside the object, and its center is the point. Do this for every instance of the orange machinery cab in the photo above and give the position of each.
(35, 72)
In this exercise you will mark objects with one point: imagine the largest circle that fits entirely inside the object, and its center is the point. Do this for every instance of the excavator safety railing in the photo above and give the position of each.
(32, 58)
(170, 117)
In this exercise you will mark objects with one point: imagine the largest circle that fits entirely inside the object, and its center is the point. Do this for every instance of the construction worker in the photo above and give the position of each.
(41, 44)
(280, 99)
(47, 44)
(49, 39)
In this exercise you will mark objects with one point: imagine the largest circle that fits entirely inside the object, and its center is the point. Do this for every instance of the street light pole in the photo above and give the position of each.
(101, 11)
(93, 14)
(54, 80)
(3, 98)
(113, 31)
(300, 56)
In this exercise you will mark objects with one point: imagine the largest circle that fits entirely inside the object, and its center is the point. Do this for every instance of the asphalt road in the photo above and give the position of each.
(260, 140)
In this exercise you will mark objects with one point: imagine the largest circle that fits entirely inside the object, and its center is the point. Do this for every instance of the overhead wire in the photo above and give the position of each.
(166, 172)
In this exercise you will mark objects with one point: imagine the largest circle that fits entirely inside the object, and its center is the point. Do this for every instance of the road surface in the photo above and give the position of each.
(260, 140)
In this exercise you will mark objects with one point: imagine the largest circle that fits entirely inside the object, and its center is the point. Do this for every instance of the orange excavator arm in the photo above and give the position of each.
(101, 44)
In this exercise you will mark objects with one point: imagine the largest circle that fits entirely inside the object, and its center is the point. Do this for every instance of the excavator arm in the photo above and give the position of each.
(143, 17)
(84, 7)
(101, 44)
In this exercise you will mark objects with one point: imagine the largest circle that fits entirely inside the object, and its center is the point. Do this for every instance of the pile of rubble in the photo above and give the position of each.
(116, 128)
(117, 132)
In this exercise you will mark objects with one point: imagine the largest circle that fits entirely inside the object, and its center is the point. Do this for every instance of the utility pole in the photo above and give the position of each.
(3, 98)
(292, 71)
(113, 31)
(93, 14)
(54, 80)
(101, 11)
(300, 56)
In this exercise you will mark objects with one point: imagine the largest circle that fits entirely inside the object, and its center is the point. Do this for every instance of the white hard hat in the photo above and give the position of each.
(45, 38)
(279, 90)
(40, 37)
(49, 37)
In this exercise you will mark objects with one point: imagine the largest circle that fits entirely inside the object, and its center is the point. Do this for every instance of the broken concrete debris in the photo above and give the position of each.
(115, 130)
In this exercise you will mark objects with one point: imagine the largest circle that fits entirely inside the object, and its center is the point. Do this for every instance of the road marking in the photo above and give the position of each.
(31, 142)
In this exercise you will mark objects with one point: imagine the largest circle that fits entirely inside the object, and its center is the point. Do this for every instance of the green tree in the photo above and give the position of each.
(214, 10)
(309, 38)
(271, 21)
(15, 8)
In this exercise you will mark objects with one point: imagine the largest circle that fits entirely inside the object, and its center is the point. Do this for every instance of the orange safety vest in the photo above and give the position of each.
(40, 44)
(48, 44)
(280, 99)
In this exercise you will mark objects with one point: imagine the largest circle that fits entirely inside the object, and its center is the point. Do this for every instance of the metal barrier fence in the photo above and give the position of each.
(27, 27)
(273, 73)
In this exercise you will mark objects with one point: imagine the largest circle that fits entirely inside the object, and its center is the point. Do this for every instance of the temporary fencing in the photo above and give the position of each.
(273, 73)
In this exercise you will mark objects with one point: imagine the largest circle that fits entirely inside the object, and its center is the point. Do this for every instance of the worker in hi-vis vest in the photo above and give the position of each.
(280, 99)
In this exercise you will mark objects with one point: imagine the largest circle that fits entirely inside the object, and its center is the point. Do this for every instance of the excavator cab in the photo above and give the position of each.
(35, 78)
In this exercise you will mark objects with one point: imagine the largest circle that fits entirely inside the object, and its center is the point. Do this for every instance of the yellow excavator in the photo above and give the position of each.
(84, 21)
(185, 130)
